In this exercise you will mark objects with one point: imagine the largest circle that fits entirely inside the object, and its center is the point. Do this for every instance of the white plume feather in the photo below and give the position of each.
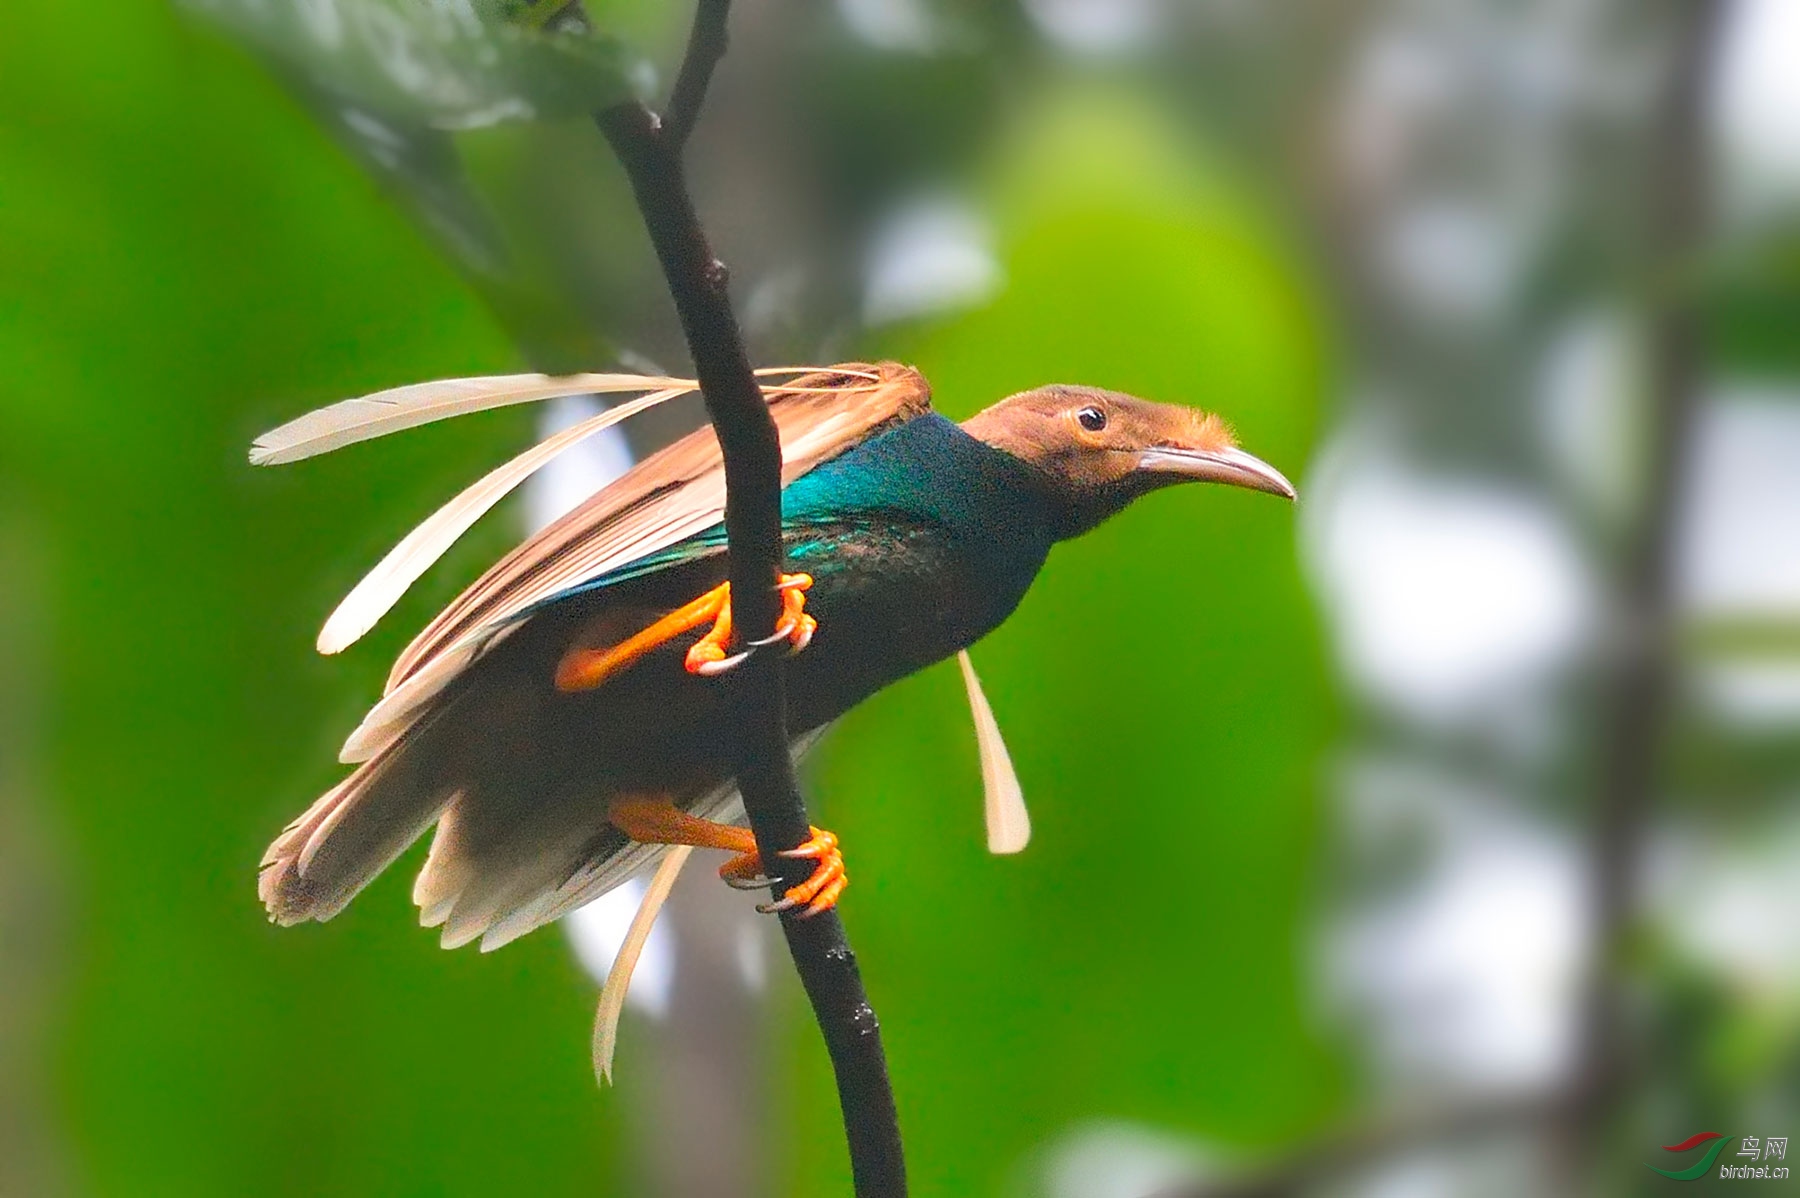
(1008, 823)
(382, 587)
(369, 416)
(618, 978)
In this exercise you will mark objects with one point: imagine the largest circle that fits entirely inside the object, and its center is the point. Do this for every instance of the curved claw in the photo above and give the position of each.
(827, 899)
(745, 872)
(712, 669)
(783, 631)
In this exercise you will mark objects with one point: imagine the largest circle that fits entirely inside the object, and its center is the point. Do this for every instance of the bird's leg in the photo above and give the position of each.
(583, 668)
(658, 821)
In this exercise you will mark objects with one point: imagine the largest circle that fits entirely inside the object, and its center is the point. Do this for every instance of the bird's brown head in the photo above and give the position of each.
(1099, 450)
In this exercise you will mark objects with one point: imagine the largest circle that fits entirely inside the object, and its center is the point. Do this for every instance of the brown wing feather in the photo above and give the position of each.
(666, 498)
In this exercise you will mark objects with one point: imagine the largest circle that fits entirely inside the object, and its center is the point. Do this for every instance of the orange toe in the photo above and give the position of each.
(820, 891)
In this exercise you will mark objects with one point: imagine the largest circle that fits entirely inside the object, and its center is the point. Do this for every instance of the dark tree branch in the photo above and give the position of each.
(1639, 681)
(1635, 692)
(651, 155)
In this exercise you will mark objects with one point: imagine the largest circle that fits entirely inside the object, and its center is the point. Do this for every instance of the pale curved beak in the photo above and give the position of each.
(1232, 466)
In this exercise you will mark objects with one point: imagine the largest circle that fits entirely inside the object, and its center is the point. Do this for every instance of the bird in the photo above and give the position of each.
(562, 722)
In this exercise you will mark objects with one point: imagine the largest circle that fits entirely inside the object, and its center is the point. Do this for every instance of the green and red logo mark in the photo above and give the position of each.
(1751, 1151)
(1716, 1140)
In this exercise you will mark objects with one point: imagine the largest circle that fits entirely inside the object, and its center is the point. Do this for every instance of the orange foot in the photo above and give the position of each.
(818, 893)
(652, 819)
(583, 668)
(708, 656)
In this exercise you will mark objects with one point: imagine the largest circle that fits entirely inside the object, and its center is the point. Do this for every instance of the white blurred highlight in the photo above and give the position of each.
(1740, 544)
(1757, 104)
(1118, 1160)
(1729, 905)
(579, 471)
(1453, 261)
(931, 254)
(1740, 551)
(1467, 974)
(893, 25)
(1448, 597)
(1587, 391)
(1101, 27)
(597, 930)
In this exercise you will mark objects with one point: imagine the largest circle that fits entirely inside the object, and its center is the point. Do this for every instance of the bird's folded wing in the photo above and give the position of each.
(670, 496)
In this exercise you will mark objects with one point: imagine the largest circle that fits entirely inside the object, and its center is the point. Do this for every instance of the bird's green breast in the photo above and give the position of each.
(984, 506)
(920, 541)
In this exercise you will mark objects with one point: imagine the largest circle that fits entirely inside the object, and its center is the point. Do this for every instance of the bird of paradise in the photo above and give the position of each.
(560, 722)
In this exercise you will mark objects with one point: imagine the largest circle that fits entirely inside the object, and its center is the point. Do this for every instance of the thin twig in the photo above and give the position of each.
(707, 42)
(651, 155)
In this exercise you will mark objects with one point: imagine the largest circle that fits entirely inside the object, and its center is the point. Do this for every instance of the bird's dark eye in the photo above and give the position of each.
(1092, 419)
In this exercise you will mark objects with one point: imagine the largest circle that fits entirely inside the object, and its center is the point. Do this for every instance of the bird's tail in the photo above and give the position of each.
(354, 831)
(522, 836)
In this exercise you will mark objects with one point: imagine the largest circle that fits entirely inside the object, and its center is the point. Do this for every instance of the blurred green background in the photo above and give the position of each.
(200, 240)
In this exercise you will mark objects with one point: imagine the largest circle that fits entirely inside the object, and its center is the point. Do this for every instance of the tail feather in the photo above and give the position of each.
(504, 852)
(509, 879)
(598, 869)
(354, 831)
(519, 865)
(438, 884)
(278, 883)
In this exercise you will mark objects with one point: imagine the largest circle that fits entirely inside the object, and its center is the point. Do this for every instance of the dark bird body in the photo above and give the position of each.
(920, 539)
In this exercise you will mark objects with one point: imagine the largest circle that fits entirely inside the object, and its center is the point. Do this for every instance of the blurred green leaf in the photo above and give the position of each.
(1754, 636)
(449, 63)
(421, 165)
(1754, 307)
(403, 85)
